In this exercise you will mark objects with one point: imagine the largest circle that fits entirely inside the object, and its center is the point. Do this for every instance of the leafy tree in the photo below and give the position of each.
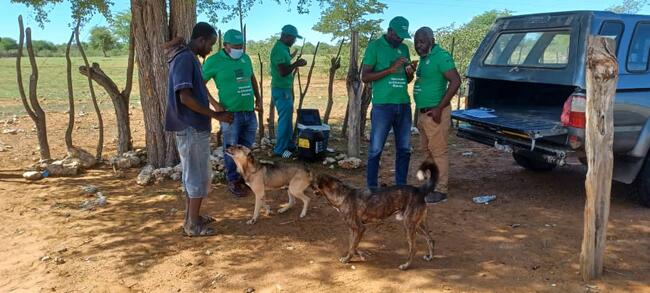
(121, 26)
(340, 18)
(82, 10)
(8, 44)
(628, 6)
(467, 37)
(102, 39)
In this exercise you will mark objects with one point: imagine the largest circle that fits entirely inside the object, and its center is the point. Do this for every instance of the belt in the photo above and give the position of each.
(424, 110)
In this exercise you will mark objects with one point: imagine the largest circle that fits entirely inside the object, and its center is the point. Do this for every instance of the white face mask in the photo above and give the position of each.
(236, 53)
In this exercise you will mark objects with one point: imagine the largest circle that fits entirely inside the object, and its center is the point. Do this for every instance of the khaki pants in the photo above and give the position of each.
(435, 139)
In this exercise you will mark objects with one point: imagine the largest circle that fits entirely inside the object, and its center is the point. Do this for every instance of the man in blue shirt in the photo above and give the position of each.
(189, 116)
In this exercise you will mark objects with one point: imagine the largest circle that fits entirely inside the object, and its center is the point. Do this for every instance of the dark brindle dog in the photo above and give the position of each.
(362, 206)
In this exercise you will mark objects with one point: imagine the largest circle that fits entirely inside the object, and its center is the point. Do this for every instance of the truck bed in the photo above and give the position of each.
(533, 122)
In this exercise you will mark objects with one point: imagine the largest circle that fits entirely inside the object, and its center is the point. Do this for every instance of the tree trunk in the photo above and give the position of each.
(271, 120)
(71, 112)
(601, 78)
(150, 31)
(120, 99)
(100, 120)
(104, 51)
(182, 17)
(335, 64)
(33, 108)
(354, 87)
(344, 128)
(260, 112)
(366, 98)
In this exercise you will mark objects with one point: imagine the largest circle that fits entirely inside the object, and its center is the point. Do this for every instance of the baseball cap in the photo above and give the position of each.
(291, 30)
(401, 27)
(233, 37)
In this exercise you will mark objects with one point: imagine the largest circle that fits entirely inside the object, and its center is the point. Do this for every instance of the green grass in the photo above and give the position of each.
(53, 94)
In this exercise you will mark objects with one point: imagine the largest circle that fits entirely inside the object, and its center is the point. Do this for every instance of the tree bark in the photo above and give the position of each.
(100, 120)
(335, 64)
(260, 112)
(33, 108)
(182, 16)
(71, 112)
(601, 78)
(366, 97)
(151, 30)
(271, 120)
(354, 88)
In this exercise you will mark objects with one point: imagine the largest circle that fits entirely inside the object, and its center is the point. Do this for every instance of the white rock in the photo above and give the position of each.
(89, 189)
(86, 160)
(341, 157)
(145, 177)
(33, 175)
(329, 160)
(10, 131)
(100, 200)
(350, 163)
(176, 176)
(66, 167)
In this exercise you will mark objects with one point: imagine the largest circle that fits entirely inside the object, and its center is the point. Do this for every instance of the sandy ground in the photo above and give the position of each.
(528, 240)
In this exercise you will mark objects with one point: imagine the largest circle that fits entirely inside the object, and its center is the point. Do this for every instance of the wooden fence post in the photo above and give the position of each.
(354, 88)
(601, 77)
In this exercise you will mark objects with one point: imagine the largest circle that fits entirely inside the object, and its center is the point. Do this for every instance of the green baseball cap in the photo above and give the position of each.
(401, 27)
(233, 37)
(291, 30)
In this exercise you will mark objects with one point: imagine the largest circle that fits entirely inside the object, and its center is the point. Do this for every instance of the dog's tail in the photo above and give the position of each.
(428, 171)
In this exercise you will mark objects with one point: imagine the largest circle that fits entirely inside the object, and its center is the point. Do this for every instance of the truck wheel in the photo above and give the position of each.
(532, 161)
(643, 180)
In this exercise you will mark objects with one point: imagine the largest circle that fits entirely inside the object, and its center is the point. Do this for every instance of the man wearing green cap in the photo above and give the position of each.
(232, 71)
(282, 70)
(387, 66)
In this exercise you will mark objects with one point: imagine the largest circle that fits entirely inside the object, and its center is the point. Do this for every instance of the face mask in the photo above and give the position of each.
(236, 53)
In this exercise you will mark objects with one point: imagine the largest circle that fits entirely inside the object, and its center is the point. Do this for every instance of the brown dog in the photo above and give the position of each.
(362, 206)
(261, 177)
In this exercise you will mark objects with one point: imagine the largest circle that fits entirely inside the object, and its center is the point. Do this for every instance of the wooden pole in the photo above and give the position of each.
(354, 89)
(260, 111)
(601, 77)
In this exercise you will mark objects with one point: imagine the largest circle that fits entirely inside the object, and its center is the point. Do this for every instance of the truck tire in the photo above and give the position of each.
(532, 161)
(643, 181)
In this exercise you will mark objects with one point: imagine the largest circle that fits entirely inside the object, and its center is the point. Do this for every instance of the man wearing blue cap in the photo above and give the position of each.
(282, 70)
(387, 66)
(232, 71)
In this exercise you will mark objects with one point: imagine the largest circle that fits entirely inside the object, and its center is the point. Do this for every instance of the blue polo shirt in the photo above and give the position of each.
(185, 73)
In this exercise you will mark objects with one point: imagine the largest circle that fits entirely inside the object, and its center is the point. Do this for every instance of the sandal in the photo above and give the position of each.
(204, 220)
(199, 230)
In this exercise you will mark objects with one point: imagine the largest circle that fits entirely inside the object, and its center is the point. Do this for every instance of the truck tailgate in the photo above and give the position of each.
(531, 124)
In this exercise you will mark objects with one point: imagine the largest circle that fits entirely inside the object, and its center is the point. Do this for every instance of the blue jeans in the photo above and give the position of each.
(241, 131)
(283, 101)
(382, 118)
(194, 149)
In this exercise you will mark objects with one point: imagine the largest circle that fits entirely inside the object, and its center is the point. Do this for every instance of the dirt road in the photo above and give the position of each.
(527, 240)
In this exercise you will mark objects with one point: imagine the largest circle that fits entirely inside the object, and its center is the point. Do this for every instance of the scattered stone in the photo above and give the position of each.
(249, 290)
(353, 267)
(65, 167)
(468, 154)
(33, 175)
(59, 260)
(145, 177)
(10, 131)
(329, 160)
(331, 166)
(218, 152)
(89, 189)
(341, 157)
(218, 177)
(350, 163)
(46, 258)
(175, 176)
(100, 200)
(290, 248)
(85, 159)
(515, 225)
(62, 250)
(208, 252)
(130, 159)
(311, 262)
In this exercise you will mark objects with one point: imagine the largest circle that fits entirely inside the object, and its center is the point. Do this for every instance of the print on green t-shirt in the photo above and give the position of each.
(280, 55)
(392, 89)
(431, 84)
(233, 80)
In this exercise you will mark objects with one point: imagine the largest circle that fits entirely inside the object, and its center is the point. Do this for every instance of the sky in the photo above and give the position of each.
(266, 19)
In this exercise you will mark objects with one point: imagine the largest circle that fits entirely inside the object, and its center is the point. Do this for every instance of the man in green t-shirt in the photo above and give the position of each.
(282, 71)
(232, 72)
(387, 66)
(437, 82)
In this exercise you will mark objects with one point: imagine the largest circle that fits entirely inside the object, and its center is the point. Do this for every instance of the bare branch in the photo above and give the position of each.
(19, 71)
(71, 111)
(100, 142)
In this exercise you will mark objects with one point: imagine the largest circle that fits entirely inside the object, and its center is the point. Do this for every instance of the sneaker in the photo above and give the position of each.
(236, 189)
(435, 197)
(287, 154)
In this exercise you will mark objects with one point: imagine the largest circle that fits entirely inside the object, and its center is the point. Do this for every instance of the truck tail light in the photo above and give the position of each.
(573, 112)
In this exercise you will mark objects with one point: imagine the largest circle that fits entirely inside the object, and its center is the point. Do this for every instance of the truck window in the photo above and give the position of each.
(637, 57)
(534, 49)
(614, 29)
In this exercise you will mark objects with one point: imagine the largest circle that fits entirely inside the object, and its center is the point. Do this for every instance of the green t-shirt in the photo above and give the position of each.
(233, 80)
(280, 55)
(431, 84)
(392, 89)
